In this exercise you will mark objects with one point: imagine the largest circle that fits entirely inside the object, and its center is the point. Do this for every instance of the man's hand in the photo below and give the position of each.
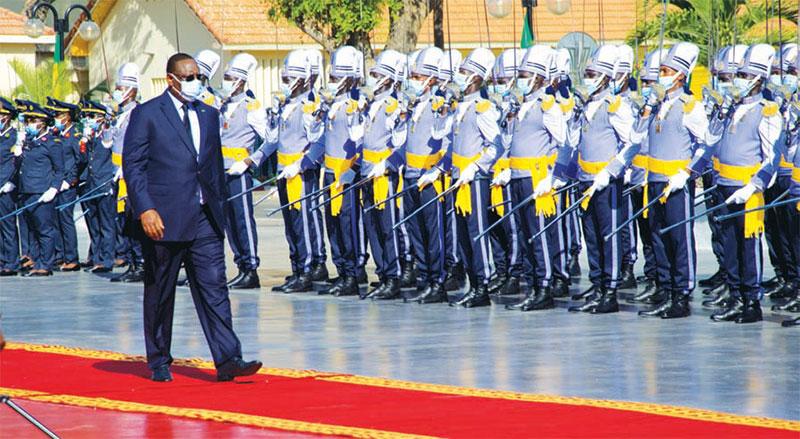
(601, 180)
(152, 224)
(677, 182)
(7, 188)
(742, 194)
(48, 195)
(428, 178)
(289, 171)
(240, 167)
(118, 174)
(64, 186)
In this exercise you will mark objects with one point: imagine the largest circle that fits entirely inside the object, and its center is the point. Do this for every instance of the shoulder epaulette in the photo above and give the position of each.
(483, 105)
(614, 103)
(310, 107)
(436, 103)
(770, 109)
(253, 104)
(689, 102)
(209, 100)
(567, 105)
(352, 106)
(391, 105)
(547, 102)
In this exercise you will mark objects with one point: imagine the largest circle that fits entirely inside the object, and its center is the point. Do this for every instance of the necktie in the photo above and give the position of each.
(186, 123)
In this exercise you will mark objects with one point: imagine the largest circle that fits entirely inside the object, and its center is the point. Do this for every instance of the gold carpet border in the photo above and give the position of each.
(641, 407)
(208, 415)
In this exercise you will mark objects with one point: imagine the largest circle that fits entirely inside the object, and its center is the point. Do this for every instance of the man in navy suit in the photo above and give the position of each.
(172, 162)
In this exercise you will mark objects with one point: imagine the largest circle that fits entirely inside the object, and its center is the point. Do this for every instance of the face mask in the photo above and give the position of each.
(190, 90)
(593, 84)
(500, 89)
(334, 87)
(31, 129)
(525, 85)
(119, 96)
(59, 125)
(618, 83)
(775, 80)
(462, 80)
(790, 82)
(93, 124)
(228, 87)
(667, 81)
(646, 91)
(724, 88)
(417, 87)
(3, 124)
(743, 86)
(287, 89)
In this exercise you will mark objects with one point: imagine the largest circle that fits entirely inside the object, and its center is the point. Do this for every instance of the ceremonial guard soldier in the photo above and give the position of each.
(207, 64)
(9, 236)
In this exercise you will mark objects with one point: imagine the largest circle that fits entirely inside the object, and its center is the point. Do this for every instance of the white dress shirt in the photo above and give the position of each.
(194, 124)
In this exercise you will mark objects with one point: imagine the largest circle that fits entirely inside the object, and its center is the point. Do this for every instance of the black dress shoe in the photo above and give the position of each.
(8, 272)
(161, 374)
(319, 273)
(650, 289)
(607, 303)
(781, 292)
(560, 288)
(456, 278)
(248, 282)
(594, 289)
(119, 277)
(40, 273)
(435, 293)
(183, 281)
(301, 284)
(680, 306)
(793, 305)
(374, 290)
(237, 367)
(717, 290)
(791, 322)
(751, 312)
(628, 280)
(362, 277)
(592, 300)
(496, 284)
(335, 287)
(723, 299)
(543, 299)
(660, 308)
(66, 268)
(731, 313)
(772, 283)
(283, 286)
(476, 298)
(510, 287)
(574, 267)
(348, 287)
(714, 280)
(528, 298)
(660, 295)
(100, 269)
(389, 291)
(408, 274)
(237, 278)
(87, 263)
(135, 275)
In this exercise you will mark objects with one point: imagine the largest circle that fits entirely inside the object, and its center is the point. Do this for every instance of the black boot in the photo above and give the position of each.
(121, 276)
(319, 273)
(592, 300)
(435, 293)
(248, 282)
(751, 312)
(772, 283)
(529, 297)
(389, 291)
(376, 288)
(496, 284)
(574, 267)
(362, 278)
(731, 313)
(302, 284)
(277, 288)
(586, 293)
(335, 287)
(680, 306)
(477, 297)
(717, 290)
(510, 288)
(650, 290)
(628, 281)
(408, 274)
(560, 288)
(543, 299)
(721, 300)
(456, 278)
(791, 322)
(348, 287)
(608, 303)
(793, 305)
(135, 275)
(782, 291)
(239, 277)
(713, 281)
(661, 307)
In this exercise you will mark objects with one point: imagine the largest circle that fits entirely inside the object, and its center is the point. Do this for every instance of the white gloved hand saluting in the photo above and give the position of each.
(467, 175)
(502, 178)
(742, 195)
(378, 170)
(48, 195)
(677, 182)
(238, 168)
(289, 171)
(601, 180)
(428, 178)
(7, 188)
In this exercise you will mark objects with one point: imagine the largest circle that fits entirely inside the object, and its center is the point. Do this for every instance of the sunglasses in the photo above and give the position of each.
(189, 78)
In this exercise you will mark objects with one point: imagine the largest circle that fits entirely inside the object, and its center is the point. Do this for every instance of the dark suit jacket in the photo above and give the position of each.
(162, 170)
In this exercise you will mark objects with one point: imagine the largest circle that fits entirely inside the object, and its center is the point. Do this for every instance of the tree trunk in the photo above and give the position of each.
(438, 23)
(404, 25)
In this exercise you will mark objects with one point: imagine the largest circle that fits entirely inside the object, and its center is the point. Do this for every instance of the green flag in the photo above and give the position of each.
(527, 33)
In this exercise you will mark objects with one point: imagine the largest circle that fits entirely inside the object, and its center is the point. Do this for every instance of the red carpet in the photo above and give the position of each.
(347, 405)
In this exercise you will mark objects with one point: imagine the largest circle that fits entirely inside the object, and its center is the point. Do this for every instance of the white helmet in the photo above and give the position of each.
(207, 62)
(427, 61)
(602, 61)
(652, 64)
(241, 65)
(316, 60)
(348, 62)
(448, 66)
(297, 64)
(758, 60)
(479, 62)
(729, 58)
(128, 75)
(563, 62)
(541, 61)
(682, 58)
(389, 66)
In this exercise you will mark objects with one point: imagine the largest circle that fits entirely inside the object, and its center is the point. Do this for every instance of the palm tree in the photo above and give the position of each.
(712, 24)
(46, 79)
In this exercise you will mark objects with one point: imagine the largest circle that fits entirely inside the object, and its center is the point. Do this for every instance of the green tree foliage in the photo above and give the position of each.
(712, 24)
(46, 79)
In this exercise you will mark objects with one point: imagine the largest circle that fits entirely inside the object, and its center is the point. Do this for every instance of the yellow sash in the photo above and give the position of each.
(640, 161)
(380, 185)
(592, 168)
(785, 164)
(464, 193)
(294, 185)
(122, 192)
(666, 167)
(338, 166)
(236, 154)
(753, 221)
(423, 162)
(497, 191)
(796, 179)
(538, 167)
(116, 159)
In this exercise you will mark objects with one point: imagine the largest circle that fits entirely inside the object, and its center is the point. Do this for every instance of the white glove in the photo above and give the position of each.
(502, 178)
(601, 180)
(48, 195)
(289, 171)
(7, 188)
(428, 177)
(378, 170)
(742, 195)
(677, 182)
(628, 175)
(17, 149)
(357, 132)
(238, 168)
(544, 187)
(118, 174)
(467, 175)
(64, 186)
(88, 132)
(347, 177)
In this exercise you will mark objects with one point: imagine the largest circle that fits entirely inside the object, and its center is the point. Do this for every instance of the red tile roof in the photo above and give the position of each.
(12, 23)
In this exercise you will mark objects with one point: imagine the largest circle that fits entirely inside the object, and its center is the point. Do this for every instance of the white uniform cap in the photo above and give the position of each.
(603, 60)
(347, 61)
(480, 62)
(682, 58)
(563, 61)
(652, 64)
(427, 61)
(128, 75)
(758, 60)
(297, 64)
(207, 62)
(729, 58)
(391, 64)
(508, 63)
(241, 65)
(541, 60)
(788, 56)
(316, 60)
(451, 59)
(624, 59)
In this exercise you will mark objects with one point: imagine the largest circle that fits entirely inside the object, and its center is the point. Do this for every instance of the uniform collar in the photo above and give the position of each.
(536, 94)
(751, 99)
(600, 96)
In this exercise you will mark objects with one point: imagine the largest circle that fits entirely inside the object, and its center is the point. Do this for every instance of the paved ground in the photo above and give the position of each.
(746, 369)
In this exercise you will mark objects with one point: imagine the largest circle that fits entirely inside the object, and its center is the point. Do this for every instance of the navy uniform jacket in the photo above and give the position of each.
(8, 163)
(99, 167)
(163, 171)
(42, 165)
(71, 152)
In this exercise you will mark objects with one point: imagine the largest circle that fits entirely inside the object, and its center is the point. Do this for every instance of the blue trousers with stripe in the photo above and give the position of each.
(241, 224)
(379, 224)
(67, 238)
(507, 247)
(641, 229)
(628, 234)
(101, 218)
(777, 224)
(744, 260)
(476, 255)
(9, 238)
(344, 230)
(319, 251)
(714, 198)
(41, 220)
(426, 232)
(299, 225)
(676, 257)
(572, 225)
(452, 255)
(601, 217)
